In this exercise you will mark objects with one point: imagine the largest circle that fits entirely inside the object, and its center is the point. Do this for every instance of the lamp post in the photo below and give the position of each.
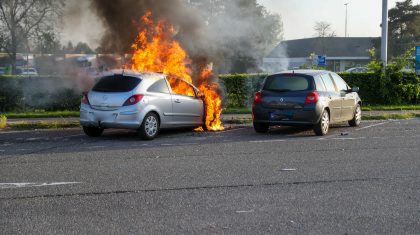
(345, 33)
(384, 38)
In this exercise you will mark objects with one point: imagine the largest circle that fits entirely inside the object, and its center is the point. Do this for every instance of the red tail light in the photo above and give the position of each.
(258, 98)
(133, 100)
(312, 97)
(85, 99)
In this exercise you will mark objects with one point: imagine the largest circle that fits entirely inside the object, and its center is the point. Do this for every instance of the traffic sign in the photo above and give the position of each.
(322, 60)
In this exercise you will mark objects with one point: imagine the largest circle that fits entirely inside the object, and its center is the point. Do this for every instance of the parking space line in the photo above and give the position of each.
(266, 141)
(373, 125)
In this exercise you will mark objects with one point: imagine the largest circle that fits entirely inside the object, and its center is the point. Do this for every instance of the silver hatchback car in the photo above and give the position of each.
(145, 102)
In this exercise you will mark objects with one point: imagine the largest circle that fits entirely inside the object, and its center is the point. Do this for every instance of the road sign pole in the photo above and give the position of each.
(384, 39)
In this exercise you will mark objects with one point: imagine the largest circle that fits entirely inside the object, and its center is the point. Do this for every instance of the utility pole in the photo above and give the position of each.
(384, 38)
(345, 33)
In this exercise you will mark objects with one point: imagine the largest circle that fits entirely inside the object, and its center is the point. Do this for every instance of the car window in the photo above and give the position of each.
(319, 84)
(116, 83)
(181, 87)
(286, 82)
(341, 84)
(159, 87)
(328, 82)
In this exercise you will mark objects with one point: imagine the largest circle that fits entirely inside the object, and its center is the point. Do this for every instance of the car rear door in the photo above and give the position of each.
(188, 109)
(333, 96)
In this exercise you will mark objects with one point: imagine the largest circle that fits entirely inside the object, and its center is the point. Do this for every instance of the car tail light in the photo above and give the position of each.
(85, 99)
(258, 98)
(312, 97)
(133, 100)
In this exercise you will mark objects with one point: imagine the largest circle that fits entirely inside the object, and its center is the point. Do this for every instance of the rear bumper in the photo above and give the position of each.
(290, 117)
(124, 118)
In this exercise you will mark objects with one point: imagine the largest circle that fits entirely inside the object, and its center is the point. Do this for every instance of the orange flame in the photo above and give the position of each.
(156, 50)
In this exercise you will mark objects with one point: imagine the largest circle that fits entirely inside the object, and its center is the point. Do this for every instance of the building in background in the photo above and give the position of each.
(341, 53)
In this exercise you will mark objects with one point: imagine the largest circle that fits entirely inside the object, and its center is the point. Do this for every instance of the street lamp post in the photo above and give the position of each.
(345, 34)
(384, 38)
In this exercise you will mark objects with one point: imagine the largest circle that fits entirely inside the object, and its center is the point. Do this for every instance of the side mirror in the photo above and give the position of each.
(200, 95)
(355, 89)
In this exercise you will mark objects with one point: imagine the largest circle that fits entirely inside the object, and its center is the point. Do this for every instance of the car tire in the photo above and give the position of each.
(322, 127)
(93, 131)
(357, 117)
(149, 129)
(261, 127)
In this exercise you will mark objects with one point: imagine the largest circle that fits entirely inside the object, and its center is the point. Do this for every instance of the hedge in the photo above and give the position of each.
(45, 93)
(374, 88)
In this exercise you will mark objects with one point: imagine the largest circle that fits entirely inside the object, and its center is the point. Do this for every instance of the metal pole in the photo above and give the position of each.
(345, 34)
(384, 38)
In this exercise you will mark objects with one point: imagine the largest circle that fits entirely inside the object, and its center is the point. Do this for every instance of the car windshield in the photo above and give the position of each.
(284, 83)
(116, 83)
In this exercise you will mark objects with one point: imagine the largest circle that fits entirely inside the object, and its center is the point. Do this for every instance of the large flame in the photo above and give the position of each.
(156, 50)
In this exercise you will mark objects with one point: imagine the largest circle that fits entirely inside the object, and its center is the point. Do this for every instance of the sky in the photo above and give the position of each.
(299, 16)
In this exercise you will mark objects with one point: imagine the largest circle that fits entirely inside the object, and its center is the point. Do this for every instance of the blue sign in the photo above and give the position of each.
(418, 60)
(322, 60)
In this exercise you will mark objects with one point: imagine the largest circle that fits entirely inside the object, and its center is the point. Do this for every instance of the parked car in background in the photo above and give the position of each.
(306, 97)
(26, 71)
(2, 71)
(357, 70)
(146, 102)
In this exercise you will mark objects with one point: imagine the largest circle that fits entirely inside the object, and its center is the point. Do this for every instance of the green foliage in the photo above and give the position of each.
(240, 88)
(3, 121)
(46, 93)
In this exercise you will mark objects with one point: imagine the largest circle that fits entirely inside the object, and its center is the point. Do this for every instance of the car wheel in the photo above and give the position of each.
(357, 118)
(261, 127)
(149, 129)
(322, 127)
(93, 131)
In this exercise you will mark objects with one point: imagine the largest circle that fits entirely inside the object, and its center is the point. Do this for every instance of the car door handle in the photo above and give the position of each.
(177, 101)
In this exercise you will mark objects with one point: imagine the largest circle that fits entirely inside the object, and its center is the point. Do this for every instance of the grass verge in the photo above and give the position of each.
(56, 114)
(26, 125)
(391, 116)
(390, 107)
(3, 121)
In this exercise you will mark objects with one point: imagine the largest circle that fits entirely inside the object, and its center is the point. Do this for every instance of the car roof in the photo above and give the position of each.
(128, 72)
(309, 72)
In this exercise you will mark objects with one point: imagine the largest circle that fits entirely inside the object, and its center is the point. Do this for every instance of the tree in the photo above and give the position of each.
(20, 20)
(323, 29)
(404, 27)
(83, 48)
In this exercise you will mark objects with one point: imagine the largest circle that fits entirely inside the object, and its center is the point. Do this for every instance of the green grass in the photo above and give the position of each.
(42, 114)
(3, 121)
(234, 110)
(391, 116)
(25, 125)
(390, 107)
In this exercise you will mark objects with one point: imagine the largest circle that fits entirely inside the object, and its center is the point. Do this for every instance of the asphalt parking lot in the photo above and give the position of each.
(289, 181)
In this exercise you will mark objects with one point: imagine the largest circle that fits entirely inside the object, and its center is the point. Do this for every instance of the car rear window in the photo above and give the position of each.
(116, 83)
(286, 83)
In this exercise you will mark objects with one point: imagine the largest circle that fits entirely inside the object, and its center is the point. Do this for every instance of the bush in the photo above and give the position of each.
(19, 93)
(375, 88)
(3, 121)
(240, 88)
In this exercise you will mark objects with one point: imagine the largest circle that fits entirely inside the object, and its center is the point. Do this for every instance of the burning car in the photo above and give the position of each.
(142, 101)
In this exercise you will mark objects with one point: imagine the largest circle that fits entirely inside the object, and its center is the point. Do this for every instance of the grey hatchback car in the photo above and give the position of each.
(306, 97)
(145, 102)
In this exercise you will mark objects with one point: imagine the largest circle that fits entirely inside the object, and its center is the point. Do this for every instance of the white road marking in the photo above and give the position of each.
(370, 126)
(25, 185)
(266, 141)
(288, 169)
(358, 138)
(250, 211)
